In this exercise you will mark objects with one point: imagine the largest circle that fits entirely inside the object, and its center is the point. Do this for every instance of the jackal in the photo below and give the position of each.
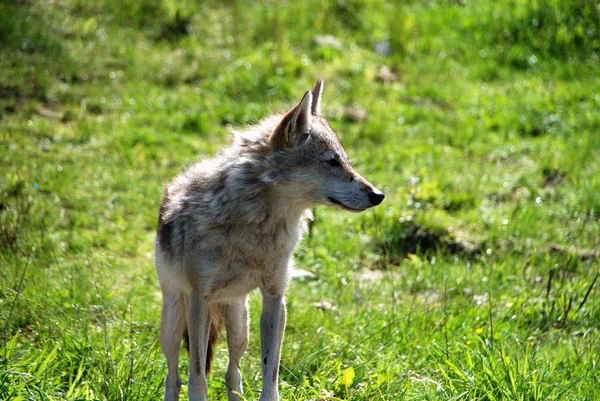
(229, 224)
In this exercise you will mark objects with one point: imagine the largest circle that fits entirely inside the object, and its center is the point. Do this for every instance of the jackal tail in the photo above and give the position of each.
(215, 327)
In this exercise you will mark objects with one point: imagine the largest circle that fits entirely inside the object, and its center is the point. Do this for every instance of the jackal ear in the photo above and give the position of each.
(293, 128)
(316, 91)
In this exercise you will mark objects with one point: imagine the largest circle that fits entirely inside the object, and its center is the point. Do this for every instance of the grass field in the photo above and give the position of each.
(480, 120)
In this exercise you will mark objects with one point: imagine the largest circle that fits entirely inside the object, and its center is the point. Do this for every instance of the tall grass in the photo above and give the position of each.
(477, 277)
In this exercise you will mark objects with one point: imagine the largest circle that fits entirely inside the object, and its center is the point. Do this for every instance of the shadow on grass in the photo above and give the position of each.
(412, 238)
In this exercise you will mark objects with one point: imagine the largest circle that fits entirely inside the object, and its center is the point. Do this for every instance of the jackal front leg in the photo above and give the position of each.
(199, 320)
(272, 325)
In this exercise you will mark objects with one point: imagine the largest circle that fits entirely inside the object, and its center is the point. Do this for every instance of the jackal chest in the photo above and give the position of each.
(249, 260)
(238, 279)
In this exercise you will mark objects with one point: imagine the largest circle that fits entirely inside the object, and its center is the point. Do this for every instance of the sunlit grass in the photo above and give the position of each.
(476, 279)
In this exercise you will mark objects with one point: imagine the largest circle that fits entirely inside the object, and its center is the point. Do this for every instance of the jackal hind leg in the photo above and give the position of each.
(236, 325)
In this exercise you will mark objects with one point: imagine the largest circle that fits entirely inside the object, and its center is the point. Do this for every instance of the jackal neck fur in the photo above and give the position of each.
(232, 207)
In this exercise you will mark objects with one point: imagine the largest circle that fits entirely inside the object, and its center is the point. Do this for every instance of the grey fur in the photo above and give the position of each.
(229, 224)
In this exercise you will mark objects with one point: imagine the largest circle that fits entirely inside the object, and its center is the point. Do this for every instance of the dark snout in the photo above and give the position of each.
(376, 197)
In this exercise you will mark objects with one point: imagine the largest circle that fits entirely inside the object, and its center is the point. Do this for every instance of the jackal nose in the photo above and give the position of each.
(376, 197)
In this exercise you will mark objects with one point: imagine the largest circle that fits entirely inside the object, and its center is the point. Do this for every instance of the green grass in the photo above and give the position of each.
(486, 144)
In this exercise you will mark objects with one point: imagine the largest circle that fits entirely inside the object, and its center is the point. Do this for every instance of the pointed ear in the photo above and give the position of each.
(294, 125)
(302, 112)
(316, 93)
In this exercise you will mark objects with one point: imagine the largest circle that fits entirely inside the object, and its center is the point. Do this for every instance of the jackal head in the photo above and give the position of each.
(310, 164)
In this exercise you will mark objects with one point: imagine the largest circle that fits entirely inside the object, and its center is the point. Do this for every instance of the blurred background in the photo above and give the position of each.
(476, 279)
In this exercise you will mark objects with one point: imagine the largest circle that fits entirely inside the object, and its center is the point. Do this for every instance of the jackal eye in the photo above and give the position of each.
(333, 162)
